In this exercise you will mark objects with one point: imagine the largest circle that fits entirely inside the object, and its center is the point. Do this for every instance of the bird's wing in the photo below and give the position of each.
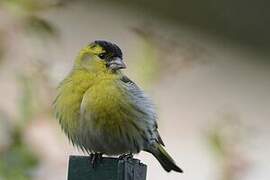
(144, 106)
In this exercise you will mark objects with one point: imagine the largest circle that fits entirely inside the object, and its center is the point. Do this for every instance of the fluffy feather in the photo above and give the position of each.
(103, 111)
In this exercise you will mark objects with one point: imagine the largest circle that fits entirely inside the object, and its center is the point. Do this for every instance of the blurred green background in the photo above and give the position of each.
(204, 63)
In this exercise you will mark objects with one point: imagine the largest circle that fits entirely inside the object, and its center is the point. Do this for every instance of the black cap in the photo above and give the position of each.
(111, 49)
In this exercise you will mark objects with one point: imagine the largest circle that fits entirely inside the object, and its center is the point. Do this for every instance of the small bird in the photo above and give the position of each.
(103, 112)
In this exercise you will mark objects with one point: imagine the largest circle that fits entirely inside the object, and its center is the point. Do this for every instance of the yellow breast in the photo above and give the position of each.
(103, 99)
(95, 92)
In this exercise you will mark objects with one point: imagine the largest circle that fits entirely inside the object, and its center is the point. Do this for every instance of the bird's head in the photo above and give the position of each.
(101, 55)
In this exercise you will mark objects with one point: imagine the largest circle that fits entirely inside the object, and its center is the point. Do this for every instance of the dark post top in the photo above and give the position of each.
(80, 168)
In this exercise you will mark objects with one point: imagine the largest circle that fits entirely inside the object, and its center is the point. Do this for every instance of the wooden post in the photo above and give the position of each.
(80, 168)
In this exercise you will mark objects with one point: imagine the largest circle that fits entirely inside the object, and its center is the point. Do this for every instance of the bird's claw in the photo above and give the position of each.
(126, 156)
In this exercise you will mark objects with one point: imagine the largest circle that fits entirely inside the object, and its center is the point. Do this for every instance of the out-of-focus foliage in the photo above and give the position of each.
(40, 26)
(26, 15)
(17, 161)
(245, 22)
(226, 140)
(159, 52)
(5, 131)
(26, 104)
(22, 17)
(2, 46)
(148, 65)
(30, 6)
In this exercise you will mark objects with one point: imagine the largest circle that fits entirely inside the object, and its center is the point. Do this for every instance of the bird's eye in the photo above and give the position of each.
(101, 56)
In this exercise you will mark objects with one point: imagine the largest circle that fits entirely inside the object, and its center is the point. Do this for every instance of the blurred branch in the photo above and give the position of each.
(39, 26)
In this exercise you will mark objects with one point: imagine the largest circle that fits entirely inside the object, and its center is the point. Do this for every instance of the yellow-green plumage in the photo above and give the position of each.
(102, 111)
(68, 102)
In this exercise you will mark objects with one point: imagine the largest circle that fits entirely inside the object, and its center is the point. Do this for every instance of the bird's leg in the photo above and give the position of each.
(94, 158)
(126, 156)
(99, 157)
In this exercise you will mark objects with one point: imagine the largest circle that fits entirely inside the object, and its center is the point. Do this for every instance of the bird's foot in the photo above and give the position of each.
(95, 158)
(126, 156)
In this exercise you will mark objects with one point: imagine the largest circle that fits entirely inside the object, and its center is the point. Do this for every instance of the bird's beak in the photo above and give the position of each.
(117, 63)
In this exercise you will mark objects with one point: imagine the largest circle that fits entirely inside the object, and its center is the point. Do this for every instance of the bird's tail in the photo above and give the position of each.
(164, 158)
